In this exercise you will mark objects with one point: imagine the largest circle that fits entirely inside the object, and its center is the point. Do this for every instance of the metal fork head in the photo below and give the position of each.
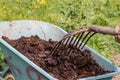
(74, 40)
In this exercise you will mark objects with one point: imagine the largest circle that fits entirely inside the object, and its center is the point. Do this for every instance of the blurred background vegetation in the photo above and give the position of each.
(69, 15)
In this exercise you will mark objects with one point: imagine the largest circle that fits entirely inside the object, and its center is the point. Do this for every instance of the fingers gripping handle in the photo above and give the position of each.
(117, 30)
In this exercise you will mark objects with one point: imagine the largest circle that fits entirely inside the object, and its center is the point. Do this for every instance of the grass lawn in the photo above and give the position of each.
(69, 15)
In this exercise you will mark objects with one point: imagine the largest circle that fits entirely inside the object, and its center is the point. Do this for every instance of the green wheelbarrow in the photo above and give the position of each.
(24, 69)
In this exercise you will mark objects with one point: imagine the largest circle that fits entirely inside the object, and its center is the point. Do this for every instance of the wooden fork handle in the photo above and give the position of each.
(103, 30)
(107, 30)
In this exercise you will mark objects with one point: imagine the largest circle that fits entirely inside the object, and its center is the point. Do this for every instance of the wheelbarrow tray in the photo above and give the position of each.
(25, 69)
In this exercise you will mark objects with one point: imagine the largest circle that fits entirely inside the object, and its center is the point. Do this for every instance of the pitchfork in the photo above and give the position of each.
(79, 38)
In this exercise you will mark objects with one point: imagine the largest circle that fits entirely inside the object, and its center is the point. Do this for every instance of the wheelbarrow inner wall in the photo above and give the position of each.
(22, 67)
(16, 29)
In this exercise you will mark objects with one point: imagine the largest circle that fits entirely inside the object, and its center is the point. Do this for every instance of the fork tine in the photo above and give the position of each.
(69, 39)
(67, 45)
(83, 40)
(75, 39)
(79, 38)
(88, 39)
(55, 48)
(65, 42)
